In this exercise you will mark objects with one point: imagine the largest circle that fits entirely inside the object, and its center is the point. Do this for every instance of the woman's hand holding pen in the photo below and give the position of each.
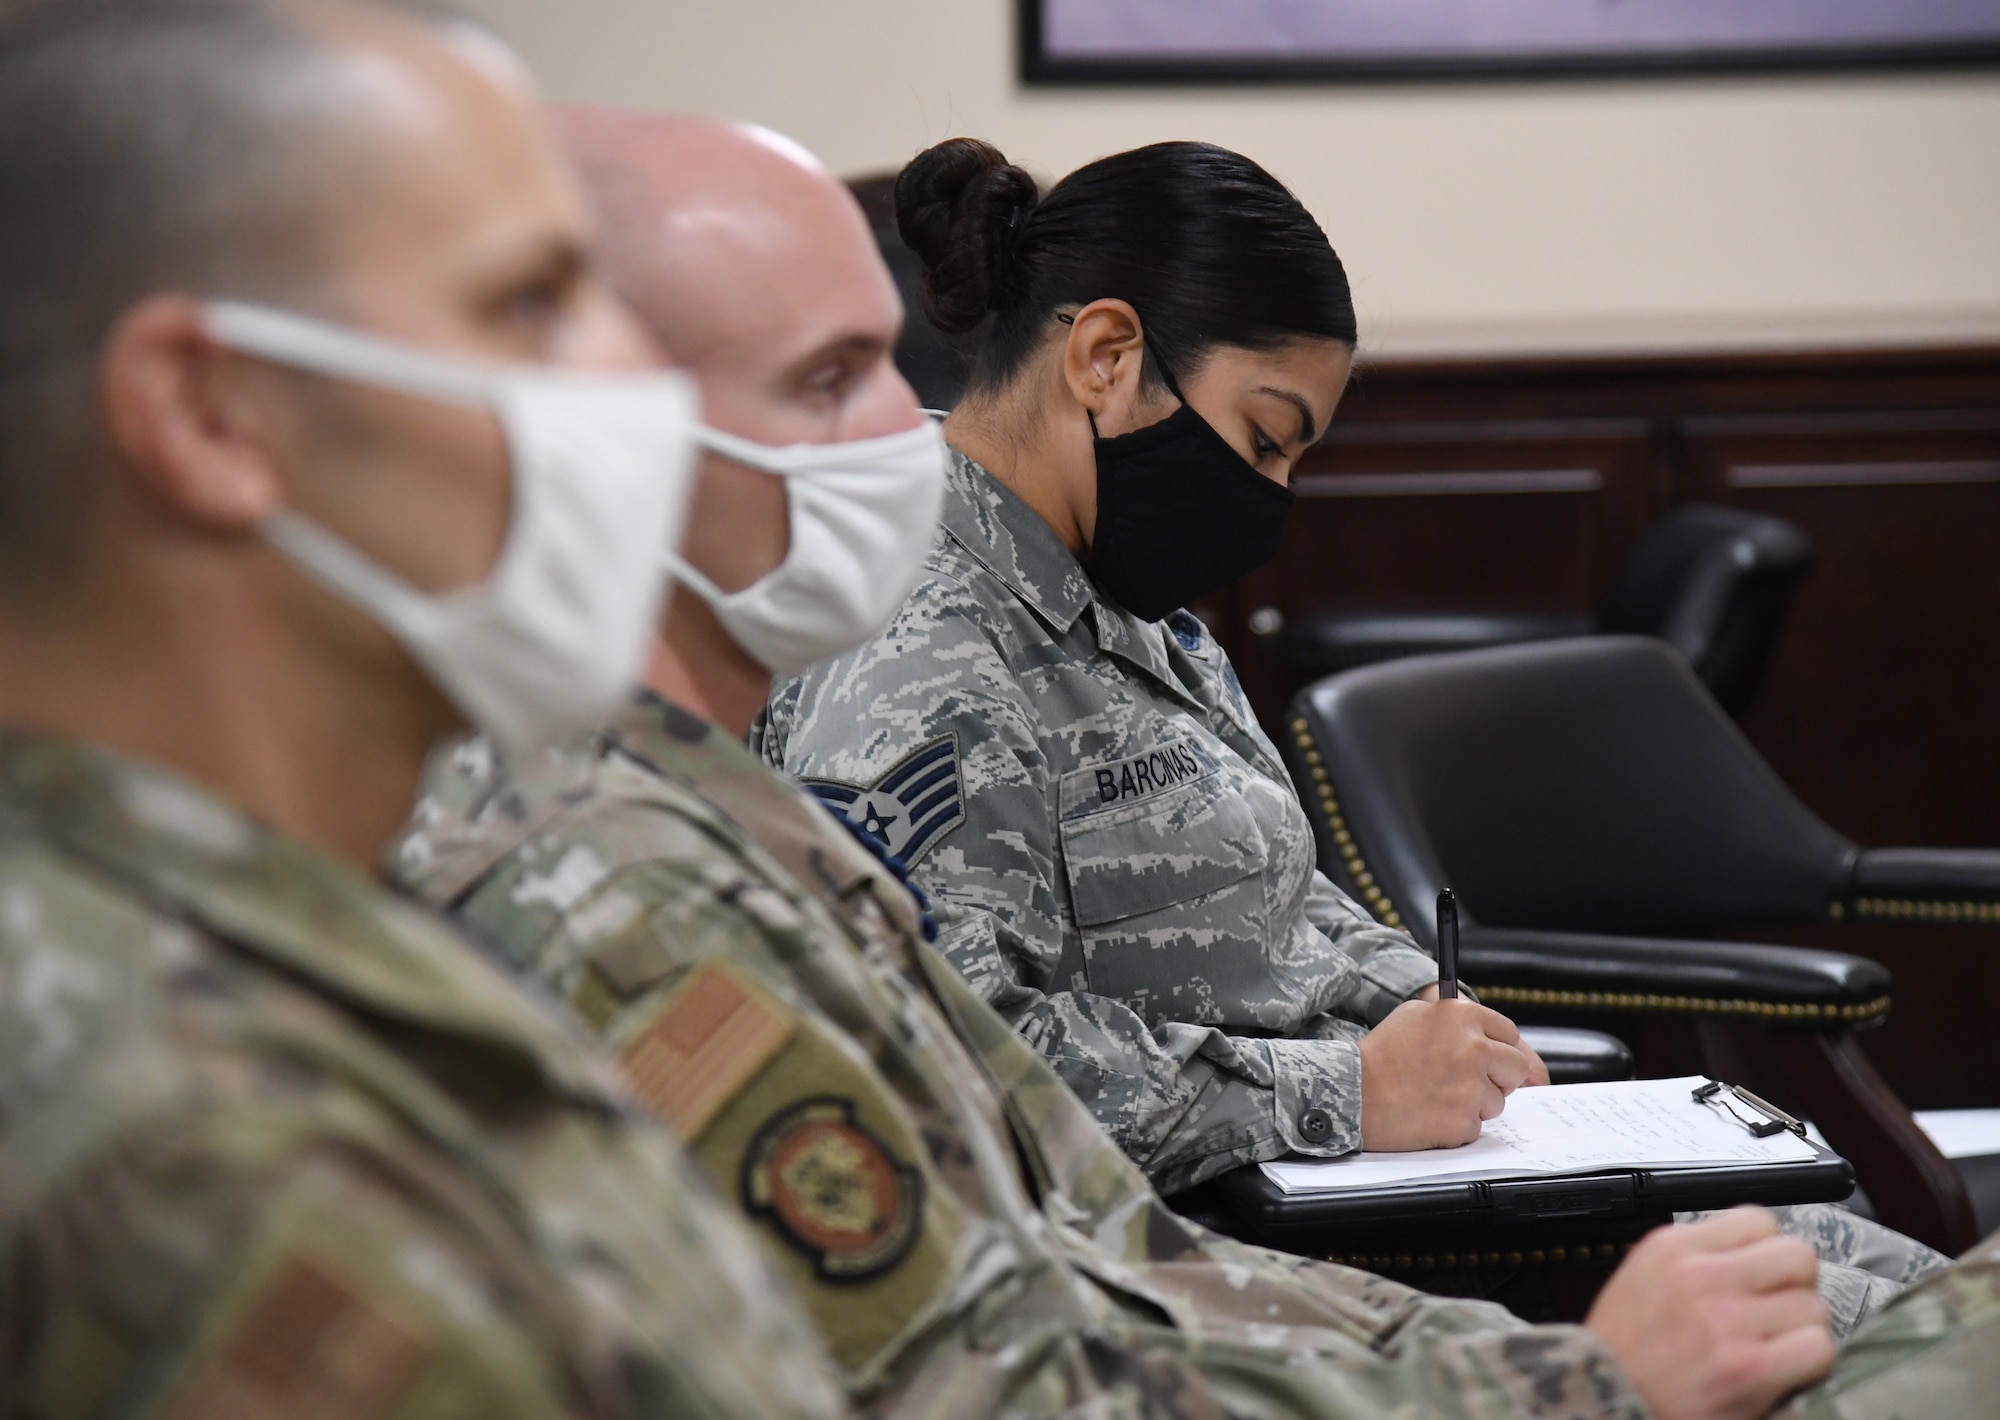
(1434, 1071)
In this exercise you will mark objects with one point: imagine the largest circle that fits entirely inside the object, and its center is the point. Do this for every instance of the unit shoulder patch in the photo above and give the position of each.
(833, 1190)
(916, 803)
(709, 1040)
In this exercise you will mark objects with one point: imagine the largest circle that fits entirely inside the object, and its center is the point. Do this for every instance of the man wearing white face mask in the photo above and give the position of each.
(607, 866)
(277, 1142)
(823, 485)
(966, 1238)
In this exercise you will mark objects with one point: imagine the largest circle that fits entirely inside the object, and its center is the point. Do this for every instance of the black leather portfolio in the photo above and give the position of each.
(1247, 1204)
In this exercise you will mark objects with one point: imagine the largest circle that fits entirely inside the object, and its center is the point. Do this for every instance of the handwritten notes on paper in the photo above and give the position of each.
(1561, 1129)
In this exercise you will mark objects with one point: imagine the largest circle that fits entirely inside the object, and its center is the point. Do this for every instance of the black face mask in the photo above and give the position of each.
(1179, 513)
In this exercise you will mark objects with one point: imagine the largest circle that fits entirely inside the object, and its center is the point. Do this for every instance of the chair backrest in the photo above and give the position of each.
(1581, 785)
(1715, 584)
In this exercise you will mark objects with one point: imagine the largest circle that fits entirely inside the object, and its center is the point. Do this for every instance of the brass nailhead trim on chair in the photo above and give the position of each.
(1693, 1005)
(1378, 902)
(1456, 1261)
(1901, 909)
(1350, 856)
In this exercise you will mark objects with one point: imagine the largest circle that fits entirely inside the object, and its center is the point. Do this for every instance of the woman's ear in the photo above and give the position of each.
(173, 404)
(1103, 364)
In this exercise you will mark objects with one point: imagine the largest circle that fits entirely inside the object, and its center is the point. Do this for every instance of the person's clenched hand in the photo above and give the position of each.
(1433, 1071)
(1717, 1319)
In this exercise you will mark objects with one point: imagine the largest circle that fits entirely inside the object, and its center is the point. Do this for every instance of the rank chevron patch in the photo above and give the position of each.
(909, 808)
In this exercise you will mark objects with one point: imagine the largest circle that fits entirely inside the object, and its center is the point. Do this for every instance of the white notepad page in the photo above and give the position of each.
(1558, 1129)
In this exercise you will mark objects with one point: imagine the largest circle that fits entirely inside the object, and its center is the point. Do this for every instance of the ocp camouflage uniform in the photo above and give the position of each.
(968, 1239)
(1116, 852)
(769, 995)
(274, 1142)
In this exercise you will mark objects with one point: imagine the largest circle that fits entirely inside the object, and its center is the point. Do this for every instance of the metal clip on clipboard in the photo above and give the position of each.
(1727, 1097)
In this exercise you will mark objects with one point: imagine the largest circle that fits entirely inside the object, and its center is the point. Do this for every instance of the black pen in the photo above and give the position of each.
(1447, 945)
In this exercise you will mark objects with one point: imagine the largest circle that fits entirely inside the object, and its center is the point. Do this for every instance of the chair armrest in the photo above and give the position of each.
(1329, 641)
(1927, 885)
(1580, 1057)
(1588, 973)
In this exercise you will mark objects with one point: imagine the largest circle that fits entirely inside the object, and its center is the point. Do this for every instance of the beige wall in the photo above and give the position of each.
(1489, 218)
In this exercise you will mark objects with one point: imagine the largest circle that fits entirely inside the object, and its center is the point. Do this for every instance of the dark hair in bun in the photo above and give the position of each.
(1208, 248)
(960, 207)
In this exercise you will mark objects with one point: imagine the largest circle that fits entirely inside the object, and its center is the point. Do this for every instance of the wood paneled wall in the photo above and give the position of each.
(1520, 486)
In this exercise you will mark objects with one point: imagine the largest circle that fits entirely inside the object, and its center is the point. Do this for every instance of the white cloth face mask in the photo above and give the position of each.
(863, 514)
(555, 637)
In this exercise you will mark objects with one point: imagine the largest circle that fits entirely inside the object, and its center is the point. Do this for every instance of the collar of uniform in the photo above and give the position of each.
(717, 768)
(191, 855)
(783, 821)
(476, 805)
(1138, 643)
(1010, 540)
(659, 733)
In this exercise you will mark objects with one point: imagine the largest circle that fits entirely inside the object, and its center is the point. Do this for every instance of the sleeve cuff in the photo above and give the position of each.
(1317, 1095)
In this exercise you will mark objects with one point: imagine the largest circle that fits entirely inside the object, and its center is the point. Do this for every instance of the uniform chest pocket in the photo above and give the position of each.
(1146, 833)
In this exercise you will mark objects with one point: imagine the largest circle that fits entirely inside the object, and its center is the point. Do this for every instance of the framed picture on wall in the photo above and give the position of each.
(1177, 41)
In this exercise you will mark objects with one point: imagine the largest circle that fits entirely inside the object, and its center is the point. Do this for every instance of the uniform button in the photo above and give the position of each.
(1316, 1126)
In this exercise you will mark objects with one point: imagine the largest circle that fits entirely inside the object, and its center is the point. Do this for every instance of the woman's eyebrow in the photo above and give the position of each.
(1308, 426)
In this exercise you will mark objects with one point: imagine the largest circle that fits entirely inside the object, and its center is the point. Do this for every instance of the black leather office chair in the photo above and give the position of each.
(1580, 1057)
(1599, 816)
(1714, 583)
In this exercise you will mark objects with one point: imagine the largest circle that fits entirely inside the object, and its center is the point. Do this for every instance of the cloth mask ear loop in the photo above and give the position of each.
(320, 348)
(698, 582)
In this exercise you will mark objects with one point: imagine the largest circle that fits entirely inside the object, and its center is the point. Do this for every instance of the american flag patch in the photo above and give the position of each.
(308, 1347)
(712, 1036)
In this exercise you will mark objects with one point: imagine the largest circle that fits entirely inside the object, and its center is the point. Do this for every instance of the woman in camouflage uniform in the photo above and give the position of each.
(1059, 751)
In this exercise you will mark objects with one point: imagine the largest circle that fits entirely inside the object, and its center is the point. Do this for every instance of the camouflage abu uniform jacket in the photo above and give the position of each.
(1117, 854)
(277, 1143)
(1126, 850)
(968, 1239)
(698, 908)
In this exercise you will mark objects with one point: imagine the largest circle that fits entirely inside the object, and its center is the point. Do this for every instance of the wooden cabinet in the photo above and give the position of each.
(1492, 515)
(1884, 697)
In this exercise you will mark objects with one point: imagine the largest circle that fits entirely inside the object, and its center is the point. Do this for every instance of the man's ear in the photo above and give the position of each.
(183, 417)
(1102, 363)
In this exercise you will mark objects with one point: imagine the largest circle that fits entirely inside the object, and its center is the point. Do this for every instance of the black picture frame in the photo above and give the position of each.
(1040, 69)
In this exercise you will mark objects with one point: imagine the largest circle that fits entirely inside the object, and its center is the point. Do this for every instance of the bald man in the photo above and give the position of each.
(763, 280)
(966, 1238)
(275, 1142)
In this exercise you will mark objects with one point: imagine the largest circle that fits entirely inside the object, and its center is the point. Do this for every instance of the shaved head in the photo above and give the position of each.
(755, 270)
(203, 146)
(729, 240)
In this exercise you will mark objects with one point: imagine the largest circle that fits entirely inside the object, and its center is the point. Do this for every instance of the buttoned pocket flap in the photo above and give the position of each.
(1144, 833)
